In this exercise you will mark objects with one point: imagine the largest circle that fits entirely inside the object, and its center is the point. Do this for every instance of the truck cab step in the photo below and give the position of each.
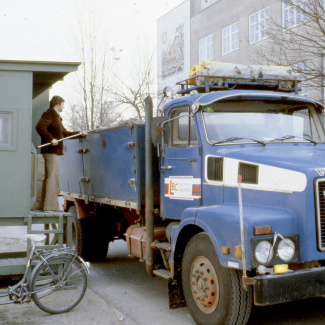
(162, 245)
(162, 273)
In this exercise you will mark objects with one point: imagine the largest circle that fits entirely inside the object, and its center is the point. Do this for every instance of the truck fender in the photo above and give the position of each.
(189, 226)
(221, 223)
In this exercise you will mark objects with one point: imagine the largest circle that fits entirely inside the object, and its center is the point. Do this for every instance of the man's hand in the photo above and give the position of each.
(84, 133)
(54, 142)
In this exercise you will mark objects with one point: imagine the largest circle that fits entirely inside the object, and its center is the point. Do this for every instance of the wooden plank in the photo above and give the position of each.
(59, 231)
(12, 270)
(12, 266)
(13, 221)
(13, 254)
(13, 261)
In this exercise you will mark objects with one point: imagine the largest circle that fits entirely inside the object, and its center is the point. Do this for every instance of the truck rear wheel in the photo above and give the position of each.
(75, 227)
(214, 294)
(89, 236)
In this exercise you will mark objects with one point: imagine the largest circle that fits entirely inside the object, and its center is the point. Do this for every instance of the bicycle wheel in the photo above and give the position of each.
(59, 285)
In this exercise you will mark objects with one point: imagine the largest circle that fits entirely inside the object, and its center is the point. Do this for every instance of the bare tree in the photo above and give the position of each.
(130, 91)
(93, 106)
(298, 40)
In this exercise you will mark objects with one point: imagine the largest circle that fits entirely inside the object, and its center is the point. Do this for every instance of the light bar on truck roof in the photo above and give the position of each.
(222, 76)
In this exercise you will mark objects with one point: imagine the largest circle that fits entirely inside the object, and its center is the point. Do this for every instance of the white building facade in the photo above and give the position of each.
(174, 46)
(236, 31)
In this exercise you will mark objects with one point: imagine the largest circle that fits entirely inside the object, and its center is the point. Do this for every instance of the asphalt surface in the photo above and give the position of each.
(120, 292)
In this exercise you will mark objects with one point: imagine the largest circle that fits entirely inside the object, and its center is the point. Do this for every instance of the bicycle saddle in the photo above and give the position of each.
(37, 238)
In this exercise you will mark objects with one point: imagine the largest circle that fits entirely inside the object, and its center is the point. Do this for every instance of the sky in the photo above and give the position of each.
(44, 30)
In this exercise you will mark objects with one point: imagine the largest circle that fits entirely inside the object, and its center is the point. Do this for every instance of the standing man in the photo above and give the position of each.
(51, 129)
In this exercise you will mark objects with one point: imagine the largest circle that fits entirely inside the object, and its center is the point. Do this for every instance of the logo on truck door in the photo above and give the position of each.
(183, 187)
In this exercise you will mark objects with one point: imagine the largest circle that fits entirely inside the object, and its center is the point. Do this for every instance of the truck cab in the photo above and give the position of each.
(222, 194)
(256, 153)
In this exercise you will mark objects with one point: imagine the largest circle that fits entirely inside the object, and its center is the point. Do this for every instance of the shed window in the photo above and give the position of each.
(5, 129)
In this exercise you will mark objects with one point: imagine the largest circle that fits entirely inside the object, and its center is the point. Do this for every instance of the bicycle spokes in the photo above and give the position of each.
(60, 285)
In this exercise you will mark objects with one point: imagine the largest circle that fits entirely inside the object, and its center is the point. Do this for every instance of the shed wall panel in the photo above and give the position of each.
(15, 173)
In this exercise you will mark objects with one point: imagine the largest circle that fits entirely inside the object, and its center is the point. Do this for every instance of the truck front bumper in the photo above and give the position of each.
(279, 288)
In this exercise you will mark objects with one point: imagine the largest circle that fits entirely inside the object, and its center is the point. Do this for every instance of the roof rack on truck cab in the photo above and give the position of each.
(225, 76)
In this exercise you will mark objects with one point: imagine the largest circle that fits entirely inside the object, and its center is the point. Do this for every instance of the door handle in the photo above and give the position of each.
(166, 167)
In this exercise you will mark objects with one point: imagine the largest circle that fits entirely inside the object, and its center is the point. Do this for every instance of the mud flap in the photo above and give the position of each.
(176, 297)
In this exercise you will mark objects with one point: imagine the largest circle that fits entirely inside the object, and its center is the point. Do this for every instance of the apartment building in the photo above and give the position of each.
(249, 32)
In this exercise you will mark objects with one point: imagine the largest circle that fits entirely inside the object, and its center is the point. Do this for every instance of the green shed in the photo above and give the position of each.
(24, 96)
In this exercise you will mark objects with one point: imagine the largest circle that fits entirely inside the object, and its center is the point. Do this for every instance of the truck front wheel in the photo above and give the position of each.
(214, 294)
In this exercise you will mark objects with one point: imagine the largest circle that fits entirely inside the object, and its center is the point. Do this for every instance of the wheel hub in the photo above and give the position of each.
(204, 284)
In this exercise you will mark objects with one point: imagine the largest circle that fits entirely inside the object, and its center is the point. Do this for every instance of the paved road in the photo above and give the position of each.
(120, 292)
(128, 288)
(145, 300)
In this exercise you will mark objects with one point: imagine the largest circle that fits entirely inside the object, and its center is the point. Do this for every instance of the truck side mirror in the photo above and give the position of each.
(157, 130)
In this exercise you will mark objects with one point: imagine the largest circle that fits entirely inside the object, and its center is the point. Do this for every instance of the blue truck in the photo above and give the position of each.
(223, 194)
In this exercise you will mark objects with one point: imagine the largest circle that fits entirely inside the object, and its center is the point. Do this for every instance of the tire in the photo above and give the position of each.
(75, 228)
(58, 285)
(93, 239)
(214, 294)
(89, 237)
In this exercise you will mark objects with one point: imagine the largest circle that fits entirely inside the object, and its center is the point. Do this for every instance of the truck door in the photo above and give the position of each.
(180, 165)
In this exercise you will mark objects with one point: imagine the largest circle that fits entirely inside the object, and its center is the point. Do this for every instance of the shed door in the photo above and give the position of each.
(180, 165)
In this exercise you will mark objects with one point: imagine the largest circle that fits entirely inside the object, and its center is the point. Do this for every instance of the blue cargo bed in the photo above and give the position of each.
(107, 166)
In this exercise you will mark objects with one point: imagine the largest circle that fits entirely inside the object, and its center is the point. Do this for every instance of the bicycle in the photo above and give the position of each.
(57, 283)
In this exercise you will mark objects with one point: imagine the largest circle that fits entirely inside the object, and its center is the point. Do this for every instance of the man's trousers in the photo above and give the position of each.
(50, 193)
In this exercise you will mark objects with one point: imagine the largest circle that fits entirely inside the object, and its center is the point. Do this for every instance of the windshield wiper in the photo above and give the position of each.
(238, 138)
(288, 137)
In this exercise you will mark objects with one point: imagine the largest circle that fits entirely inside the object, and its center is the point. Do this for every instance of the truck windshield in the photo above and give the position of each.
(260, 121)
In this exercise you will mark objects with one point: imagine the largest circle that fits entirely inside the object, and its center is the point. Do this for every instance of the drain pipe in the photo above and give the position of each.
(149, 186)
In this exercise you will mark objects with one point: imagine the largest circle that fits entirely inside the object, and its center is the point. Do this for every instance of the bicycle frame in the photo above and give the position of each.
(21, 290)
(20, 294)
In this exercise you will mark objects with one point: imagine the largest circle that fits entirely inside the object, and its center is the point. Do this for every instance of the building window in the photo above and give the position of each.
(5, 129)
(206, 48)
(294, 13)
(230, 38)
(303, 68)
(259, 24)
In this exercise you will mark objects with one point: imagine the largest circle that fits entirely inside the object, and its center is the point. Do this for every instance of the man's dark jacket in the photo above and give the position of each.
(50, 127)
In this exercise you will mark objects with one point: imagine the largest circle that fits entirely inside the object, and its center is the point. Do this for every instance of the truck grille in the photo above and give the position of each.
(248, 172)
(320, 212)
(215, 169)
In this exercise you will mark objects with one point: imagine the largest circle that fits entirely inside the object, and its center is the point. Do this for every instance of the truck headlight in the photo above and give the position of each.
(275, 250)
(264, 252)
(286, 249)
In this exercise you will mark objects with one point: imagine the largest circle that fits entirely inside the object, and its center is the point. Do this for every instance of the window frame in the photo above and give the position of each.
(11, 146)
(303, 67)
(207, 48)
(261, 22)
(174, 130)
(287, 9)
(233, 43)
